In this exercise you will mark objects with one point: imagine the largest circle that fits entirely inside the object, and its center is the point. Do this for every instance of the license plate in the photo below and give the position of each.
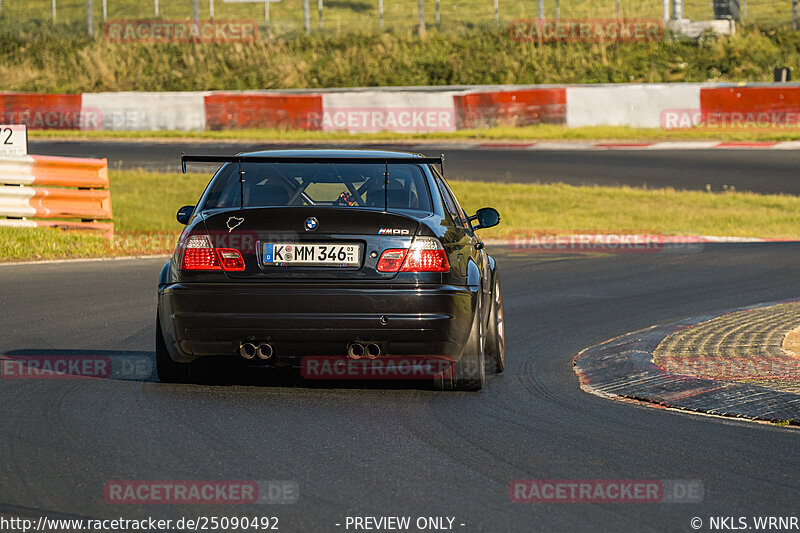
(311, 254)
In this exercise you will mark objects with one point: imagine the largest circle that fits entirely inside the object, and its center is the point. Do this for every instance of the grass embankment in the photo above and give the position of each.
(540, 132)
(286, 16)
(479, 56)
(145, 205)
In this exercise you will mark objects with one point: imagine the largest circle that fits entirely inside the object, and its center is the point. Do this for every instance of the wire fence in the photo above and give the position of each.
(284, 17)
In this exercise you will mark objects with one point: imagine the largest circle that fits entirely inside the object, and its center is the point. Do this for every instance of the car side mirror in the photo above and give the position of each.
(184, 214)
(486, 217)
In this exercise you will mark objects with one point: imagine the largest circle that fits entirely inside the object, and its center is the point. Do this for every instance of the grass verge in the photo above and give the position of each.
(541, 132)
(558, 207)
(286, 16)
(60, 64)
(145, 204)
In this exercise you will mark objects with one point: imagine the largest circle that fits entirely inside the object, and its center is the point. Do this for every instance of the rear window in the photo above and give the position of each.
(353, 185)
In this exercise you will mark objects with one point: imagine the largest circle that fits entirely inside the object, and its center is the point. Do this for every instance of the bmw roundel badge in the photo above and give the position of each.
(311, 223)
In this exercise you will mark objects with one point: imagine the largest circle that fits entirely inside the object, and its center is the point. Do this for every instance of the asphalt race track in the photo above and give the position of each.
(386, 450)
(763, 171)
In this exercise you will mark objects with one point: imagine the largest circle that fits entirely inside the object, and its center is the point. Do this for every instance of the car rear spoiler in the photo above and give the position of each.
(239, 159)
(305, 159)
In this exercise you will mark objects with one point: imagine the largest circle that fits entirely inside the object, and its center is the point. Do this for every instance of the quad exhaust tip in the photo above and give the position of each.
(264, 351)
(357, 350)
(373, 350)
(247, 350)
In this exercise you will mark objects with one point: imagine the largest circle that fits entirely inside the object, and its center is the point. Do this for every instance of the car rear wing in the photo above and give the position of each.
(185, 158)
(386, 161)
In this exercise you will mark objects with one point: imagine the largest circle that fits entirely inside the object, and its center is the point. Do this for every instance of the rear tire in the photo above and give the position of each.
(168, 370)
(496, 334)
(468, 374)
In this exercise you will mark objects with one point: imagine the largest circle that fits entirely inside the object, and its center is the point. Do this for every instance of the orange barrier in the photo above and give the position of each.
(71, 203)
(515, 108)
(41, 111)
(253, 110)
(70, 171)
(775, 106)
(80, 191)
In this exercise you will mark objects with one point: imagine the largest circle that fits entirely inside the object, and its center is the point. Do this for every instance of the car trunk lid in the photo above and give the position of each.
(339, 233)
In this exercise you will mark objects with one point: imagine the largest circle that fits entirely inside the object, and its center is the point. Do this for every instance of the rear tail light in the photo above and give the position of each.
(425, 255)
(231, 259)
(199, 254)
(391, 260)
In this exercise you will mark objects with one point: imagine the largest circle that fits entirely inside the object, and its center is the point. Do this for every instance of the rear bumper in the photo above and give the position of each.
(205, 319)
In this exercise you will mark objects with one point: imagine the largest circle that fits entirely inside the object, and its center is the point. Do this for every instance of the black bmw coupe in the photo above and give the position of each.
(352, 255)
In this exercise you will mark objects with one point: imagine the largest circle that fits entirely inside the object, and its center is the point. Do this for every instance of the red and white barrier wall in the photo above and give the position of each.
(410, 109)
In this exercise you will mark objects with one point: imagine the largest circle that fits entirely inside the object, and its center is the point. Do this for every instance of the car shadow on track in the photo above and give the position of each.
(132, 365)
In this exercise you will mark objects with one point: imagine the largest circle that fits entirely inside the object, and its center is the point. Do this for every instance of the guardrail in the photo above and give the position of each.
(77, 195)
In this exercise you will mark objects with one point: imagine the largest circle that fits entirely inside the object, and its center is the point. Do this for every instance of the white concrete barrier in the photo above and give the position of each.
(142, 111)
(637, 106)
(411, 111)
